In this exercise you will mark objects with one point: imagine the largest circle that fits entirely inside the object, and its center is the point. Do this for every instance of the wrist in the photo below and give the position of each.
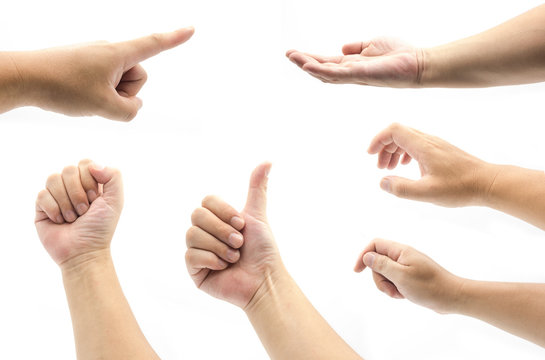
(276, 285)
(36, 80)
(456, 298)
(87, 262)
(425, 67)
(486, 177)
(461, 297)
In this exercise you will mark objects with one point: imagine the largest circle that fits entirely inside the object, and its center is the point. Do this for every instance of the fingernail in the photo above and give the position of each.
(235, 240)
(386, 185)
(369, 259)
(237, 222)
(81, 209)
(232, 255)
(70, 216)
(60, 219)
(91, 195)
(97, 166)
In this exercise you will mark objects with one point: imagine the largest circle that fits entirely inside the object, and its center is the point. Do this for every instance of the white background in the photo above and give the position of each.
(225, 101)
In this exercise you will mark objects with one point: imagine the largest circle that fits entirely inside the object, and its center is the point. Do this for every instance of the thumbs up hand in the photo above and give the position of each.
(231, 254)
(77, 213)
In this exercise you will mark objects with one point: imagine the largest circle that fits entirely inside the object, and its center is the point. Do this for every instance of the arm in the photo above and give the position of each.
(233, 256)
(402, 272)
(83, 80)
(452, 177)
(511, 53)
(76, 216)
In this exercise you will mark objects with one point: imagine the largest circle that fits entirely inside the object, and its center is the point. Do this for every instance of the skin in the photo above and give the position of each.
(451, 177)
(76, 216)
(403, 272)
(508, 54)
(99, 78)
(254, 277)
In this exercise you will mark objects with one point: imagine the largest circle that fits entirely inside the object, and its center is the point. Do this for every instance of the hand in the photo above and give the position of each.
(450, 176)
(231, 254)
(379, 62)
(77, 213)
(401, 272)
(93, 79)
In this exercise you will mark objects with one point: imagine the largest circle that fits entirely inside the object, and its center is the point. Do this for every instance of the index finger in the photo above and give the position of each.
(388, 248)
(140, 49)
(224, 211)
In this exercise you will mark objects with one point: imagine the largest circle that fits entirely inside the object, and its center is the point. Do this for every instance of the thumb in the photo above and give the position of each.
(405, 188)
(256, 204)
(383, 265)
(112, 183)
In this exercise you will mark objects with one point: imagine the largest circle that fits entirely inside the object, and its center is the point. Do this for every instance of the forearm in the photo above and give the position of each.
(104, 326)
(288, 325)
(511, 53)
(514, 307)
(517, 191)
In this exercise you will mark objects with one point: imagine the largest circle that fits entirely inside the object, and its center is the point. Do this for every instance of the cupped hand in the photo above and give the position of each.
(78, 211)
(402, 272)
(449, 176)
(231, 254)
(93, 79)
(379, 62)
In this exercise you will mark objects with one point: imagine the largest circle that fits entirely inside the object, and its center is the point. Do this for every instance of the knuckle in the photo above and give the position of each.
(42, 195)
(207, 200)
(52, 179)
(190, 235)
(69, 170)
(85, 162)
(189, 256)
(197, 215)
(130, 115)
(156, 38)
(395, 126)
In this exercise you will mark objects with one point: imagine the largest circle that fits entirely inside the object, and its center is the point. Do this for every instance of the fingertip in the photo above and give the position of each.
(386, 184)
(289, 52)
(359, 267)
(237, 222)
(184, 34)
(369, 259)
(235, 240)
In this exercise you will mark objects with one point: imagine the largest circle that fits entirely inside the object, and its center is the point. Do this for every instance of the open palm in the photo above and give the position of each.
(379, 62)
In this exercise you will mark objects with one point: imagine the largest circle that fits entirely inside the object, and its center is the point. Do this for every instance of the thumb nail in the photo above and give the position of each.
(369, 259)
(97, 166)
(386, 185)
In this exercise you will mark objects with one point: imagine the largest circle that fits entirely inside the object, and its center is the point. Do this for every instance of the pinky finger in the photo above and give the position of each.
(47, 204)
(197, 259)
